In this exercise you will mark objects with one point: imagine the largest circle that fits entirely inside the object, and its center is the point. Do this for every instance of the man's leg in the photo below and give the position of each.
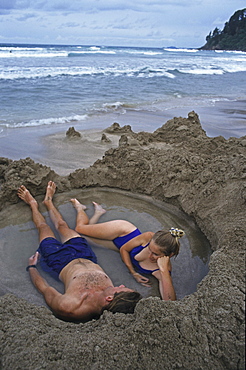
(106, 230)
(61, 226)
(43, 229)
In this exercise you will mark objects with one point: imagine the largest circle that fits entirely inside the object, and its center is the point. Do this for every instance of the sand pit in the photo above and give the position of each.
(189, 268)
(205, 178)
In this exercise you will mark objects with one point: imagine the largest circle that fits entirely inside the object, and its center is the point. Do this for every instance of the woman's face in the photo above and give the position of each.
(154, 251)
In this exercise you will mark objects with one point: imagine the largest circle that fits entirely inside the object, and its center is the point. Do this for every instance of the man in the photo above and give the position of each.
(88, 290)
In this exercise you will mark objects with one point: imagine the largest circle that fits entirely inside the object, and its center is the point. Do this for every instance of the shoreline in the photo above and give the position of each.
(48, 144)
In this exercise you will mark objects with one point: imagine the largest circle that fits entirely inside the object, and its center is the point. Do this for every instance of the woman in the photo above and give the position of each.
(149, 252)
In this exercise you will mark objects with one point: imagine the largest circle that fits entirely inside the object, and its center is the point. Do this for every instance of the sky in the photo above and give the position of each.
(145, 23)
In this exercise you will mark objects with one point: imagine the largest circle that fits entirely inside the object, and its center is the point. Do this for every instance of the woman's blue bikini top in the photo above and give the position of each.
(118, 242)
(135, 263)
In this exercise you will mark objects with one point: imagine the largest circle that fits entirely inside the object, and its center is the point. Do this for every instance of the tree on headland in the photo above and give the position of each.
(232, 37)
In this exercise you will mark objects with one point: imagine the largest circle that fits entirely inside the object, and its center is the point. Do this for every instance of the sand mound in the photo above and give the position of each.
(203, 176)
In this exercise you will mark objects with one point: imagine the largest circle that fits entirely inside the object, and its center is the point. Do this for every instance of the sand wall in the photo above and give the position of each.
(205, 177)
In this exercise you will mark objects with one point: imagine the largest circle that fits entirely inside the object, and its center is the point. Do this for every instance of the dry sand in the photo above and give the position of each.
(204, 178)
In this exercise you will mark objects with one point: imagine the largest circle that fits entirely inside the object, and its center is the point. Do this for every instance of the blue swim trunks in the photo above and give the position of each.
(55, 255)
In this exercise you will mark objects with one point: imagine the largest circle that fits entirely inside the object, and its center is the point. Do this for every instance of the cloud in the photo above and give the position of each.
(114, 22)
(7, 4)
(70, 25)
(25, 17)
(94, 5)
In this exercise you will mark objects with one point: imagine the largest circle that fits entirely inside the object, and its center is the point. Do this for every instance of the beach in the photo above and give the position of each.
(64, 155)
(160, 141)
(46, 89)
(49, 145)
(177, 168)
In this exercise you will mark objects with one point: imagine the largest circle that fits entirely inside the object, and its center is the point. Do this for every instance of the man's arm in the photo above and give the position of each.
(51, 295)
(165, 281)
(63, 305)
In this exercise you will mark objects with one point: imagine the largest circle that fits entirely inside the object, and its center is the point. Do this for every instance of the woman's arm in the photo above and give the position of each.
(165, 281)
(142, 239)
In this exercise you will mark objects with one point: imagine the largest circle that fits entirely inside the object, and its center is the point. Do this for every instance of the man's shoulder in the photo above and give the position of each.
(75, 308)
(66, 303)
(69, 300)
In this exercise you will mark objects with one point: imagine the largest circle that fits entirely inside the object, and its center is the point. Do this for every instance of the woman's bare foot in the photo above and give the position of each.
(25, 195)
(77, 205)
(99, 209)
(50, 191)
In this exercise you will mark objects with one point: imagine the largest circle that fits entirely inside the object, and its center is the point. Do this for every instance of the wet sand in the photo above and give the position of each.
(48, 145)
(177, 164)
(189, 267)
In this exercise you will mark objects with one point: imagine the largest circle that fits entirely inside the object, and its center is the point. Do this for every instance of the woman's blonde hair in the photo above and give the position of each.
(168, 241)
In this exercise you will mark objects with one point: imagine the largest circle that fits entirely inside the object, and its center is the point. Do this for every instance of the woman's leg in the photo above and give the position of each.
(98, 212)
(107, 230)
(61, 226)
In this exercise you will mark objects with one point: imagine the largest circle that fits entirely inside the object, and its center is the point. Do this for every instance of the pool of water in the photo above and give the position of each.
(19, 240)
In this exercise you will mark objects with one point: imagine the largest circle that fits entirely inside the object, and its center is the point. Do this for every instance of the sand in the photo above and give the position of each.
(48, 145)
(178, 165)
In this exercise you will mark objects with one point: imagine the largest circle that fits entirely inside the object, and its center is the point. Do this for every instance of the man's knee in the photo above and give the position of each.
(43, 226)
(61, 224)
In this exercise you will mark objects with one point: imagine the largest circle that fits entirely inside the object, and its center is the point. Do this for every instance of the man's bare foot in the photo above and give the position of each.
(50, 191)
(25, 195)
(77, 205)
(99, 209)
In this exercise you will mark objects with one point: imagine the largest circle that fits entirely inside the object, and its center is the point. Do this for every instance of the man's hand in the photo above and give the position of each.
(164, 264)
(33, 260)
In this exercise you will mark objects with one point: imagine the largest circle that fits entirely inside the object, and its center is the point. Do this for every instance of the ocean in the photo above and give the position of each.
(59, 86)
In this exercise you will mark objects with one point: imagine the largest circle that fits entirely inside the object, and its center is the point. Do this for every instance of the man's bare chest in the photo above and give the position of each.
(90, 280)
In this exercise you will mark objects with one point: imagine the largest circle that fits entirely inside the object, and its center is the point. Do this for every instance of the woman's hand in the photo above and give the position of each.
(33, 260)
(165, 281)
(141, 279)
(164, 264)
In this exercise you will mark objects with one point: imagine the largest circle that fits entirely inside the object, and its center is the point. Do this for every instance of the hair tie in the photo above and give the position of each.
(177, 233)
